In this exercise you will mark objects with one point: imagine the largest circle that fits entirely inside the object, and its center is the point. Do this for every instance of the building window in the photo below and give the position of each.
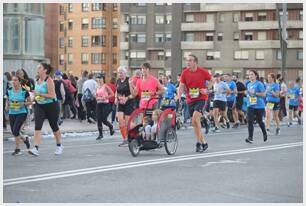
(248, 36)
(278, 54)
(70, 59)
(96, 58)
(236, 36)
(220, 36)
(138, 19)
(70, 42)
(159, 38)
(209, 36)
(85, 41)
(103, 58)
(159, 19)
(98, 23)
(138, 38)
(96, 7)
(61, 10)
(97, 41)
(115, 23)
(217, 55)
(262, 16)
(210, 18)
(241, 55)
(221, 17)
(210, 55)
(168, 54)
(85, 23)
(115, 7)
(261, 36)
(70, 7)
(168, 37)
(300, 55)
(84, 58)
(301, 15)
(115, 58)
(85, 7)
(61, 26)
(61, 59)
(61, 43)
(248, 16)
(168, 19)
(259, 54)
(235, 17)
(189, 36)
(141, 4)
(137, 54)
(160, 55)
(114, 41)
(189, 18)
(300, 34)
(70, 24)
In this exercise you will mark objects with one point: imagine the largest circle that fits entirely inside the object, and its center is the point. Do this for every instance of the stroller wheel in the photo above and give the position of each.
(171, 141)
(134, 147)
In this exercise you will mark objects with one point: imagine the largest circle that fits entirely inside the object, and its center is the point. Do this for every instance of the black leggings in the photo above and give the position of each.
(251, 115)
(16, 122)
(102, 111)
(48, 111)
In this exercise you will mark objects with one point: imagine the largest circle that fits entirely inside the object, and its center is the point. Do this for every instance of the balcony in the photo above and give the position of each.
(124, 45)
(197, 45)
(198, 26)
(212, 7)
(124, 27)
(157, 63)
(295, 44)
(267, 25)
(267, 44)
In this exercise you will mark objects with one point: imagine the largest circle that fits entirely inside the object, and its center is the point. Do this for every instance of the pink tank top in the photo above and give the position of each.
(145, 87)
(101, 94)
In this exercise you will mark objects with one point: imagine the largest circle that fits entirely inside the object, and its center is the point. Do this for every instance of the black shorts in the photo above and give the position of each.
(239, 103)
(16, 122)
(294, 108)
(275, 107)
(48, 111)
(230, 104)
(196, 106)
(221, 105)
(127, 108)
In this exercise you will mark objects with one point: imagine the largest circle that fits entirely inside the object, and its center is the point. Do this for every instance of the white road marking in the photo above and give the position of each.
(237, 161)
(105, 168)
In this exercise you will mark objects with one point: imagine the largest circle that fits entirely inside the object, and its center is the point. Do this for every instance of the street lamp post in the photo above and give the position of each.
(282, 24)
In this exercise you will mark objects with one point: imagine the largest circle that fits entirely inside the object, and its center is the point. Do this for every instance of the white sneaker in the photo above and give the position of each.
(34, 151)
(59, 150)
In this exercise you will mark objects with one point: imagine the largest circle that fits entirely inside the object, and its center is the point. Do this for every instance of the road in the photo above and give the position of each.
(101, 172)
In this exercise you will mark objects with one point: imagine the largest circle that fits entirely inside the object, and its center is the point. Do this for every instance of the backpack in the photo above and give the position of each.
(87, 96)
(67, 91)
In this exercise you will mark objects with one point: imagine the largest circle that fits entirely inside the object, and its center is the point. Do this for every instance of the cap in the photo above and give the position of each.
(217, 75)
(100, 76)
(58, 73)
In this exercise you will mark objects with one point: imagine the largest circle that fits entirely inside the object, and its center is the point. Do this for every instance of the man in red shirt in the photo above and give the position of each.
(194, 78)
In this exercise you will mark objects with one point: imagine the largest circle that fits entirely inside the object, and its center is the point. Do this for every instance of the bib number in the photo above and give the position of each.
(270, 105)
(291, 96)
(15, 106)
(165, 101)
(253, 100)
(40, 99)
(194, 92)
(145, 95)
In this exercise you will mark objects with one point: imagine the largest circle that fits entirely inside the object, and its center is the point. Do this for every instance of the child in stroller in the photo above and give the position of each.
(150, 125)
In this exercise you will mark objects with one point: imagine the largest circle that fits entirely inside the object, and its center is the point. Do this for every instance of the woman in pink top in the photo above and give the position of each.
(103, 94)
(149, 87)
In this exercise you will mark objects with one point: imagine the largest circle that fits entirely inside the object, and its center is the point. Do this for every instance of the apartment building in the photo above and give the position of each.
(238, 37)
(147, 36)
(88, 37)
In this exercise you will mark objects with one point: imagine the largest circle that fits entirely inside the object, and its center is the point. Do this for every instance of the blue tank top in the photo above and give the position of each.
(17, 100)
(42, 89)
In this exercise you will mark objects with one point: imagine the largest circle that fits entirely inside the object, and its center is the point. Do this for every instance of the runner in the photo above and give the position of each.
(149, 87)
(256, 107)
(125, 100)
(294, 101)
(168, 97)
(103, 95)
(17, 100)
(46, 107)
(192, 78)
(241, 90)
(272, 100)
(221, 89)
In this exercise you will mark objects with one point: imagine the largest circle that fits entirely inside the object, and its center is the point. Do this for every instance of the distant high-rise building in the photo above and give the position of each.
(23, 36)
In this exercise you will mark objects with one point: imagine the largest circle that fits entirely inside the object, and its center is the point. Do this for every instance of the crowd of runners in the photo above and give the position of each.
(205, 100)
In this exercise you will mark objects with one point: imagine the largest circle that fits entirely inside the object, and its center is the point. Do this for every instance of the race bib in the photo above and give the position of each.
(165, 101)
(40, 99)
(253, 100)
(270, 105)
(145, 95)
(194, 92)
(291, 96)
(15, 106)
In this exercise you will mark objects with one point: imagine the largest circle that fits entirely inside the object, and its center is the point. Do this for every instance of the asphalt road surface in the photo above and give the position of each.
(101, 172)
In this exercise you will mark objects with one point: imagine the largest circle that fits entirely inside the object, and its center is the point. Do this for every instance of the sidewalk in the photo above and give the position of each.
(68, 126)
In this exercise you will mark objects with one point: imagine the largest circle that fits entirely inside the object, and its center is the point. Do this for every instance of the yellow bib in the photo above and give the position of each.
(253, 100)
(270, 105)
(194, 92)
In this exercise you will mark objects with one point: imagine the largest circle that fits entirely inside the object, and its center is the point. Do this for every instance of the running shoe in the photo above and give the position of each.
(268, 131)
(236, 125)
(59, 150)
(265, 137)
(27, 142)
(17, 152)
(228, 125)
(289, 124)
(277, 131)
(123, 143)
(249, 140)
(199, 147)
(205, 146)
(216, 130)
(299, 121)
(34, 151)
(99, 137)
(111, 130)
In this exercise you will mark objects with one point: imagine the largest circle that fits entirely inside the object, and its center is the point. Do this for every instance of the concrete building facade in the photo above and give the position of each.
(23, 36)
